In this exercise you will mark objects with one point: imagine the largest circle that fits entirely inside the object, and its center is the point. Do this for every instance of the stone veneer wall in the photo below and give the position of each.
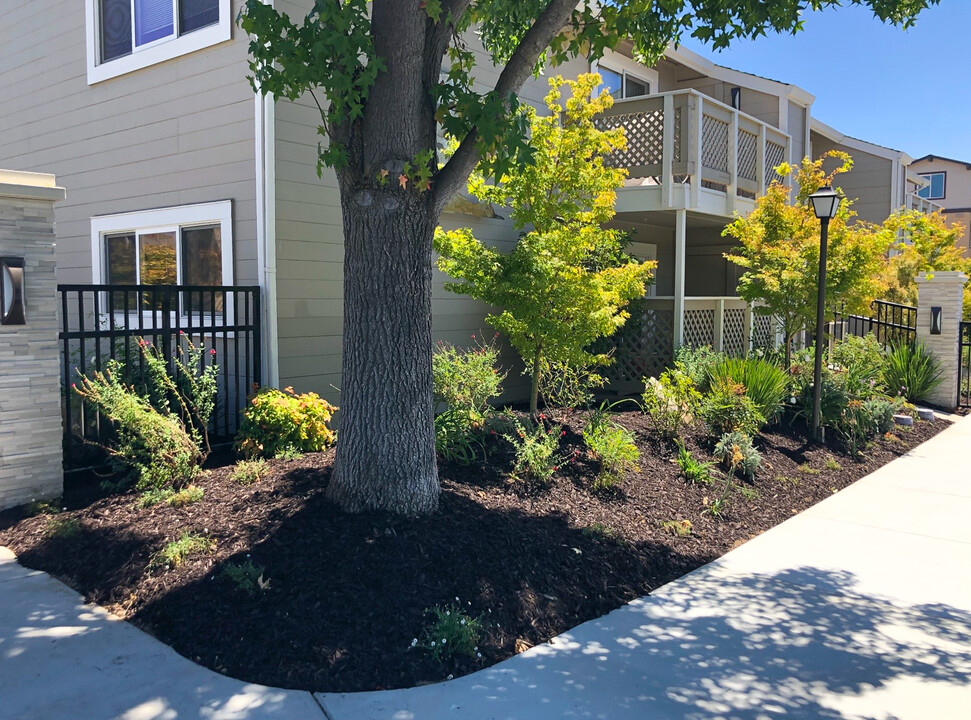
(946, 291)
(30, 384)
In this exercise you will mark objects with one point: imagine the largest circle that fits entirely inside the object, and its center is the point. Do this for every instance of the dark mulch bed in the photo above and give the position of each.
(349, 592)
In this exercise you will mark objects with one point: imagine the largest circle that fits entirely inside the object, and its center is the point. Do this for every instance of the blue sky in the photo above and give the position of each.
(910, 90)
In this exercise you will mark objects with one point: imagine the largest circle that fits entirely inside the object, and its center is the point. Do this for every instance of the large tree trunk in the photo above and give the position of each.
(386, 441)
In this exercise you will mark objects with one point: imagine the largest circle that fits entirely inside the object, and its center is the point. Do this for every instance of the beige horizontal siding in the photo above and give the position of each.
(868, 184)
(175, 133)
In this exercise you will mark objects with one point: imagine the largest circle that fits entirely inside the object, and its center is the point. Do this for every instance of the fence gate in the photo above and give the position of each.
(964, 365)
(102, 323)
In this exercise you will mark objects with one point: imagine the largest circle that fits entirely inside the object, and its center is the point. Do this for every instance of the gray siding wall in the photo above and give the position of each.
(309, 244)
(175, 133)
(869, 183)
(797, 131)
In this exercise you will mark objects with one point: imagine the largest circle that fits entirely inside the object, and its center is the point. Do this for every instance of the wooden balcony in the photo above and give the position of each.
(686, 151)
(913, 201)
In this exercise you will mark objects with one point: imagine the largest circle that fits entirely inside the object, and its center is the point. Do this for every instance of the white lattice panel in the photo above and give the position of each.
(733, 331)
(643, 347)
(748, 156)
(714, 143)
(699, 327)
(763, 331)
(645, 136)
(775, 155)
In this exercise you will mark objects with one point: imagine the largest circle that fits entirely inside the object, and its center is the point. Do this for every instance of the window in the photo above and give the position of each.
(188, 245)
(936, 188)
(620, 84)
(126, 35)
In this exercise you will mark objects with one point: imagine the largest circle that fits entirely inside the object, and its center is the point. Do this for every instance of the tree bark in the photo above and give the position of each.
(386, 439)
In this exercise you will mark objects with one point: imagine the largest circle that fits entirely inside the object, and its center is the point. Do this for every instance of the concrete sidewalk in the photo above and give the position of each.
(857, 608)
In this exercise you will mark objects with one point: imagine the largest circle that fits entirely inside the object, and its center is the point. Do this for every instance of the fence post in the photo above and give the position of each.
(718, 326)
(944, 290)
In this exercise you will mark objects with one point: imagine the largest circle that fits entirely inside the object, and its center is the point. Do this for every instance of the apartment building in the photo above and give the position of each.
(178, 174)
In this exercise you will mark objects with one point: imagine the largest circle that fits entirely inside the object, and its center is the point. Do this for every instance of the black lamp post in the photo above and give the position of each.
(825, 202)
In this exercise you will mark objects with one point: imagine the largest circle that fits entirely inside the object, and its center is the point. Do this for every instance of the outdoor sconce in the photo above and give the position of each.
(12, 291)
(936, 320)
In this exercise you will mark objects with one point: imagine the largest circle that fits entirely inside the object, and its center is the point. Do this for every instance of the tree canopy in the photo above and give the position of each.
(567, 281)
(779, 250)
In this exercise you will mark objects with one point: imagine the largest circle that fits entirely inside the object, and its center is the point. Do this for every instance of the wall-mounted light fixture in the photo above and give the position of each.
(936, 320)
(12, 291)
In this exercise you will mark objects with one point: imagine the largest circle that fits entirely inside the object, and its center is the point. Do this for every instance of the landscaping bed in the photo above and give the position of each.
(341, 598)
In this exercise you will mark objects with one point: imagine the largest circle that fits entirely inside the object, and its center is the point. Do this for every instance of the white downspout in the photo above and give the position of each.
(266, 233)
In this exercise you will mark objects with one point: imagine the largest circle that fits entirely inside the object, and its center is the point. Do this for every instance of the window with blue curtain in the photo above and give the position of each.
(154, 20)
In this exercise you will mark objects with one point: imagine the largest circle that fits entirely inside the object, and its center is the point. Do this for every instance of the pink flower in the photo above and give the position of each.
(213, 351)
(562, 434)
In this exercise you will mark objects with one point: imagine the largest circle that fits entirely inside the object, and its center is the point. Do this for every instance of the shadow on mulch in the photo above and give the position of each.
(348, 593)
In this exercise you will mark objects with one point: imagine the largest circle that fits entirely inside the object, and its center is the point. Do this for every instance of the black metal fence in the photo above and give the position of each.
(964, 365)
(101, 323)
(891, 322)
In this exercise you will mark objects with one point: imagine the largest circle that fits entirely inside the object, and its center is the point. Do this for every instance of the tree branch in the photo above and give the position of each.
(551, 21)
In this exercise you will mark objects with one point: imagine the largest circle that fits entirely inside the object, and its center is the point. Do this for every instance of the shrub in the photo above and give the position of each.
(860, 361)
(59, 526)
(833, 399)
(697, 362)
(178, 551)
(278, 420)
(246, 576)
(678, 528)
(765, 384)
(862, 420)
(615, 448)
(466, 379)
(568, 386)
(153, 445)
(247, 472)
(458, 436)
(736, 453)
(728, 409)
(881, 411)
(694, 470)
(911, 371)
(671, 402)
(450, 632)
(537, 455)
(186, 496)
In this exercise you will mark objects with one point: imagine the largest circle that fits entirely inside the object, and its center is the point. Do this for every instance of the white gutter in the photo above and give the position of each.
(266, 233)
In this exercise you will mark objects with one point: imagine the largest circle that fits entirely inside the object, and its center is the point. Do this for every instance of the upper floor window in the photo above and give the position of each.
(127, 35)
(936, 187)
(621, 84)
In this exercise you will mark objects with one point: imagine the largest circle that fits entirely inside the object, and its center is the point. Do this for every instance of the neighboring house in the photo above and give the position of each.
(882, 179)
(948, 185)
(176, 172)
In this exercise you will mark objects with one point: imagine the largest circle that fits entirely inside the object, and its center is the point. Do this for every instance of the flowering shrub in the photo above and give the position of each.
(736, 453)
(450, 632)
(671, 401)
(614, 447)
(728, 409)
(696, 362)
(466, 379)
(160, 423)
(280, 420)
(862, 420)
(860, 361)
(537, 455)
(765, 384)
(568, 386)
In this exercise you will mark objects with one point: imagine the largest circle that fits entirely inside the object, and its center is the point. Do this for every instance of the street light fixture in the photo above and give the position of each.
(825, 202)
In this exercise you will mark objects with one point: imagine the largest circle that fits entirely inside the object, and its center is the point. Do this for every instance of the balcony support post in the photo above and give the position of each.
(760, 180)
(680, 232)
(718, 329)
(731, 190)
(667, 153)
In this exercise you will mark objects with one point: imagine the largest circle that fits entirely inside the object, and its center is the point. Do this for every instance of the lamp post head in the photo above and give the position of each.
(825, 202)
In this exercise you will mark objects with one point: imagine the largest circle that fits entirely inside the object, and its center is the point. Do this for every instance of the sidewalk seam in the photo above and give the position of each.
(320, 704)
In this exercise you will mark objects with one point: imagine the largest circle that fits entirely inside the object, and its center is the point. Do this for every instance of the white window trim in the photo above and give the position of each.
(623, 65)
(164, 219)
(930, 184)
(155, 52)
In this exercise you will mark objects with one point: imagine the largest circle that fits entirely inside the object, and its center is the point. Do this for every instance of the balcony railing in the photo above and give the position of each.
(686, 138)
(913, 201)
